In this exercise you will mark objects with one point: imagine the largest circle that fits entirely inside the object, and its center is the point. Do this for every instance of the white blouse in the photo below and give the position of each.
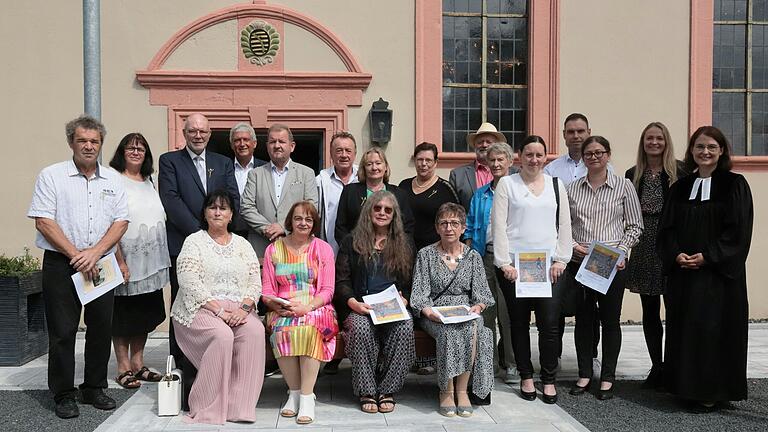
(209, 271)
(523, 221)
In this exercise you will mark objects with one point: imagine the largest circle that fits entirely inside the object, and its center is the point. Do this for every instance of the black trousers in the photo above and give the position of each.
(609, 313)
(547, 322)
(652, 327)
(62, 312)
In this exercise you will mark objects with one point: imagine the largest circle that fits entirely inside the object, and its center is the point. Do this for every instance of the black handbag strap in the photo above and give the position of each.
(557, 200)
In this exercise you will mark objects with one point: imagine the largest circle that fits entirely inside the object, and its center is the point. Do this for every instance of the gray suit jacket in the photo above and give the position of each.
(260, 207)
(463, 180)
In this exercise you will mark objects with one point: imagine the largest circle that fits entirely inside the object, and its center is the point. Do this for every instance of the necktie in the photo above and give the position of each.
(200, 165)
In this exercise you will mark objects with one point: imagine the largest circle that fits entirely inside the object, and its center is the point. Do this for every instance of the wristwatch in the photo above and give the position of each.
(246, 307)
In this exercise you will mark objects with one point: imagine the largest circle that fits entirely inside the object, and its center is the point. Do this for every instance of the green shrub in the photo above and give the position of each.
(19, 265)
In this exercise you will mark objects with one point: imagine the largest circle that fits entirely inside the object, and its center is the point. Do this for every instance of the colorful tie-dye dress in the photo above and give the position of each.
(304, 276)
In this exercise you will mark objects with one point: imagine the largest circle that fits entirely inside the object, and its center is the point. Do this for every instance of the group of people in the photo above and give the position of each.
(244, 237)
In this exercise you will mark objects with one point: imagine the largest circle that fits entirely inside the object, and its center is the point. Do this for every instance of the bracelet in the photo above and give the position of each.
(221, 311)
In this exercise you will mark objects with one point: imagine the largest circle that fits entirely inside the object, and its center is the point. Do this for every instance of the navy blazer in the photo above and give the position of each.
(182, 193)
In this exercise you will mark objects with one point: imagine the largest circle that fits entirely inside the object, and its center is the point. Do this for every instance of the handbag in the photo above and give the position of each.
(169, 390)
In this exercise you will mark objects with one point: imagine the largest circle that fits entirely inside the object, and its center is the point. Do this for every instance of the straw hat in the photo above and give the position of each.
(485, 128)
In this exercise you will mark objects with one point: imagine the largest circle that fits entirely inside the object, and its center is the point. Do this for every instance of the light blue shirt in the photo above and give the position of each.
(568, 170)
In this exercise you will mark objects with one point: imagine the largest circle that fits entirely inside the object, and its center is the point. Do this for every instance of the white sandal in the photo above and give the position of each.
(306, 409)
(292, 406)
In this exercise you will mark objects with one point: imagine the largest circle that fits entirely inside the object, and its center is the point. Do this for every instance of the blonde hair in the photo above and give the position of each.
(669, 164)
(361, 174)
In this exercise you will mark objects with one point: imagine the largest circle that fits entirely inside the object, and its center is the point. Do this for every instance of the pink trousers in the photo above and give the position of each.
(230, 366)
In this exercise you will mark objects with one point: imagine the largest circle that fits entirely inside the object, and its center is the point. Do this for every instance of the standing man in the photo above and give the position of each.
(242, 139)
(466, 180)
(330, 183)
(186, 176)
(273, 188)
(81, 211)
(332, 180)
(569, 168)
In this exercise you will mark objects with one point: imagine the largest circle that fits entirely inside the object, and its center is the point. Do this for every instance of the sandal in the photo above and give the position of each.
(306, 414)
(386, 399)
(369, 401)
(127, 380)
(145, 374)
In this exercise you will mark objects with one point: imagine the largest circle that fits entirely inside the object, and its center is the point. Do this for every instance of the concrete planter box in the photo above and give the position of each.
(23, 331)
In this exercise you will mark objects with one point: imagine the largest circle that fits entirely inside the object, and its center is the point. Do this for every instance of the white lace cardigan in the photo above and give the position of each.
(209, 271)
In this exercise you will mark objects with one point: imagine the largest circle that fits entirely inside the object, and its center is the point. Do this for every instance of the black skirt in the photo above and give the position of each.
(138, 315)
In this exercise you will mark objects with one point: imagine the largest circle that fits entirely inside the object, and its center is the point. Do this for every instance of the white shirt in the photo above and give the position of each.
(83, 208)
(568, 170)
(278, 178)
(241, 174)
(523, 221)
(329, 187)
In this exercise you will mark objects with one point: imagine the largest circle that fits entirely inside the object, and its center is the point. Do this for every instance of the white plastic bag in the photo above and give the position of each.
(169, 390)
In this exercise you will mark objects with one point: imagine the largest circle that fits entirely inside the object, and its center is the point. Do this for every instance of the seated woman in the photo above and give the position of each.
(212, 316)
(299, 268)
(449, 273)
(375, 256)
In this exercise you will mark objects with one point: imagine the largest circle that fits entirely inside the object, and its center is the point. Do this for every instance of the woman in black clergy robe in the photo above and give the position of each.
(703, 242)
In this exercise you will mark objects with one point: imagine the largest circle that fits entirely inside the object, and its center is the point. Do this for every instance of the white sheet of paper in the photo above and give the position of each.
(280, 300)
(454, 314)
(110, 277)
(387, 306)
(533, 274)
(599, 267)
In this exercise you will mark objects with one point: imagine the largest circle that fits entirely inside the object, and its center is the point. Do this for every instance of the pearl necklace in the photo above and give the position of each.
(422, 185)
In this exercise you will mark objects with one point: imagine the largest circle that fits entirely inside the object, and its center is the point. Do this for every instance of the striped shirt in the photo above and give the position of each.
(83, 208)
(609, 214)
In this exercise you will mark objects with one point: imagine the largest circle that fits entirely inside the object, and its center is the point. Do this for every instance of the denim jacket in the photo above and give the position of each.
(479, 217)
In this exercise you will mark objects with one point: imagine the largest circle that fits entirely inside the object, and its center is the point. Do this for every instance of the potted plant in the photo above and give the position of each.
(23, 332)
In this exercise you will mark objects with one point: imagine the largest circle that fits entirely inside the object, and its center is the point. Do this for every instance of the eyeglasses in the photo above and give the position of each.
(139, 150)
(425, 161)
(388, 210)
(194, 132)
(449, 223)
(701, 147)
(595, 154)
(307, 220)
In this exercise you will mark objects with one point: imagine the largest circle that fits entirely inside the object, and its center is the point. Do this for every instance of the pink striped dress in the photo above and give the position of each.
(305, 276)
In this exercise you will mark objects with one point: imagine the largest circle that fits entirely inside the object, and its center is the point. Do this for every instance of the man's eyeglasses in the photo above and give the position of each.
(378, 208)
(194, 132)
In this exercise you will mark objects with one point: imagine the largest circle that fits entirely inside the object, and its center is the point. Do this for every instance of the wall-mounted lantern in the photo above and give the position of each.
(381, 122)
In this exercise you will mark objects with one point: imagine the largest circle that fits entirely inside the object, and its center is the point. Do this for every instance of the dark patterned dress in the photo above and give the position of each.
(645, 276)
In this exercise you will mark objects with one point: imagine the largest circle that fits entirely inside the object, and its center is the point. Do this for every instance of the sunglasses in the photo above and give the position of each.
(388, 210)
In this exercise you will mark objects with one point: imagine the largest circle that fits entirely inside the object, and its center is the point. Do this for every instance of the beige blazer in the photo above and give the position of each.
(259, 204)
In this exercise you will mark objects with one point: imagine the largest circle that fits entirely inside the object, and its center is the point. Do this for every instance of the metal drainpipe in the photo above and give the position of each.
(92, 59)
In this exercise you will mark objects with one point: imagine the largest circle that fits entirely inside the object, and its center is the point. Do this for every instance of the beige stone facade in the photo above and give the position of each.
(623, 64)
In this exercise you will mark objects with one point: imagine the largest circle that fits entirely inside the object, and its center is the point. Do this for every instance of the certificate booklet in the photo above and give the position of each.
(599, 267)
(280, 300)
(108, 278)
(454, 314)
(532, 274)
(387, 306)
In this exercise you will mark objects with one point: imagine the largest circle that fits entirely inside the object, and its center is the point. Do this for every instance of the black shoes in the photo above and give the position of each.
(529, 396)
(605, 394)
(67, 408)
(577, 390)
(97, 398)
(655, 378)
(549, 399)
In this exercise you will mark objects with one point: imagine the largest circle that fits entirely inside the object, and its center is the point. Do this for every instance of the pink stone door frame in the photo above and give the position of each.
(543, 76)
(302, 100)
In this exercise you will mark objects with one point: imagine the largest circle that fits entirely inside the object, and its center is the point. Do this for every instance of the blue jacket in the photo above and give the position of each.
(479, 217)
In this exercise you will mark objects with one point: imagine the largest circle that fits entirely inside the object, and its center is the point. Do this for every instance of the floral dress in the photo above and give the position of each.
(644, 265)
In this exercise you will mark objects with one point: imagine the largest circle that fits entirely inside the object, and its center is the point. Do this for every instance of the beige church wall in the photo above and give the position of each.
(624, 64)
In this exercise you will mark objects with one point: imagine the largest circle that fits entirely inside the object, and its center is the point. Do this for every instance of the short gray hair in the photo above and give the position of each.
(501, 147)
(241, 127)
(84, 122)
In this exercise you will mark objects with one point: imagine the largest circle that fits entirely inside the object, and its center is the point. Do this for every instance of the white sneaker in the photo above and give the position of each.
(306, 409)
(292, 406)
(512, 376)
(596, 368)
